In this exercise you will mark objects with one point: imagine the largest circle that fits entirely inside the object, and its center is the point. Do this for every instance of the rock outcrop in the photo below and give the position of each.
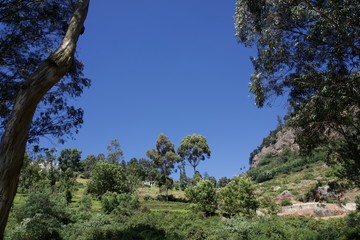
(284, 139)
(314, 209)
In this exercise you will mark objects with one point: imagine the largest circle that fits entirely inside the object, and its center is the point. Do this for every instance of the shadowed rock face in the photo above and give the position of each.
(285, 139)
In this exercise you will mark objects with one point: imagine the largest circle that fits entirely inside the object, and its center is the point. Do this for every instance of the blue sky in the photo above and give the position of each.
(171, 67)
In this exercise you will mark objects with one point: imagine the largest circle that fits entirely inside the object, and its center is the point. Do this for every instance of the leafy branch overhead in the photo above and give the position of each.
(310, 52)
(30, 31)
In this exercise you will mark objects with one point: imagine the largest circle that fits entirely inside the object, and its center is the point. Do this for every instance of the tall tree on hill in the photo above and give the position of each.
(311, 51)
(115, 153)
(69, 158)
(194, 148)
(29, 31)
(165, 158)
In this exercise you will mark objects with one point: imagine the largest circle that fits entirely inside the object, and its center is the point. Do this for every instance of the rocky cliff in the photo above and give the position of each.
(278, 140)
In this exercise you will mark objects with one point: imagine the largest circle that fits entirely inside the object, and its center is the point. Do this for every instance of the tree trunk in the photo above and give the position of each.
(13, 142)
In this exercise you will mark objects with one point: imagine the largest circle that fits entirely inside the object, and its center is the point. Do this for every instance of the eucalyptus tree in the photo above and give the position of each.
(37, 45)
(69, 158)
(309, 51)
(164, 158)
(115, 153)
(194, 148)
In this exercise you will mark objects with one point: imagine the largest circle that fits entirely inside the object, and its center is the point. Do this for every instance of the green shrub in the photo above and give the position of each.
(286, 202)
(269, 205)
(85, 203)
(68, 196)
(124, 204)
(109, 178)
(45, 204)
(148, 198)
(238, 197)
(202, 197)
(357, 202)
(285, 163)
(295, 228)
(38, 227)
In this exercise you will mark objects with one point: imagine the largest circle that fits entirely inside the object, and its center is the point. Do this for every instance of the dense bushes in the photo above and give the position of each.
(188, 226)
(238, 198)
(40, 217)
(109, 177)
(120, 204)
(46, 218)
(296, 228)
(202, 197)
(285, 163)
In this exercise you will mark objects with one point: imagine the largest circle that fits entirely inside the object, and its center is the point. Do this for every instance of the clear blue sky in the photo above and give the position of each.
(171, 67)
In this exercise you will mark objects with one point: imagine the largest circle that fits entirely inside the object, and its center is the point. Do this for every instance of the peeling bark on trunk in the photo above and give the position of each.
(13, 142)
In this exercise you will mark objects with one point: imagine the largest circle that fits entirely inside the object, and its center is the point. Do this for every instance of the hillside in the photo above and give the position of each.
(302, 185)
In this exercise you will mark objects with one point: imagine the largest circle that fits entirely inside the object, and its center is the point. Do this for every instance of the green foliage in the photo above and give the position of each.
(164, 227)
(67, 180)
(345, 154)
(285, 163)
(357, 202)
(29, 29)
(203, 197)
(69, 158)
(223, 181)
(184, 180)
(286, 202)
(89, 164)
(115, 154)
(120, 204)
(196, 178)
(32, 176)
(109, 178)
(43, 203)
(284, 228)
(267, 204)
(352, 221)
(310, 50)
(85, 203)
(84, 230)
(38, 227)
(41, 216)
(238, 198)
(194, 148)
(164, 158)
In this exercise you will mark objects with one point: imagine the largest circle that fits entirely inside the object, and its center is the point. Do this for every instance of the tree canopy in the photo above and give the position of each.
(29, 31)
(38, 41)
(69, 158)
(164, 158)
(194, 148)
(310, 52)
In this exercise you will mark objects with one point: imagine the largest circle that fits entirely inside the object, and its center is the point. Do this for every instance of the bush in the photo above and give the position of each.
(296, 228)
(41, 216)
(269, 205)
(124, 204)
(109, 178)
(85, 203)
(38, 227)
(357, 202)
(148, 198)
(285, 163)
(203, 197)
(238, 197)
(286, 202)
(43, 203)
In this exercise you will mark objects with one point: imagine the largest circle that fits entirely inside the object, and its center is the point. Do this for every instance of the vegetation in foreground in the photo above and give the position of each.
(113, 202)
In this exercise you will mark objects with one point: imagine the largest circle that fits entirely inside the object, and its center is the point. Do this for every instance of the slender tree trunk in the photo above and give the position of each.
(13, 142)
